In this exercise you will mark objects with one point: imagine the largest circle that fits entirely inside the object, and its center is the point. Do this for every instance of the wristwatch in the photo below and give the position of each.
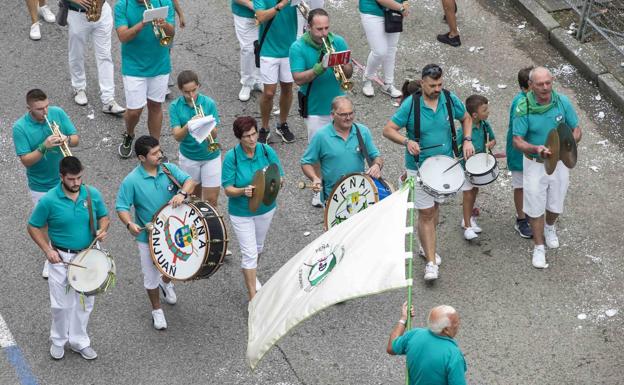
(468, 139)
(183, 193)
(402, 322)
(405, 141)
(277, 9)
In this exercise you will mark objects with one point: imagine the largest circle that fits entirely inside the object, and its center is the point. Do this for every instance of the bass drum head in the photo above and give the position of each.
(352, 194)
(179, 241)
(218, 240)
(93, 277)
(433, 176)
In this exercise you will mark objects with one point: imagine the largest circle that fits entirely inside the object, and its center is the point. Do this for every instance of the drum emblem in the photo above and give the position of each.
(319, 266)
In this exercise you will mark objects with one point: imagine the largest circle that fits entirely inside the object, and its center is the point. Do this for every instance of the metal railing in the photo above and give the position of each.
(605, 17)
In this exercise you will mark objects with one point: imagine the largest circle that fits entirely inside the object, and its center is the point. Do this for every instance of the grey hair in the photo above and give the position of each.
(442, 320)
(539, 68)
(339, 99)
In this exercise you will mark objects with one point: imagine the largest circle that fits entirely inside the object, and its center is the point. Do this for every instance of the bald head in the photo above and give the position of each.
(443, 320)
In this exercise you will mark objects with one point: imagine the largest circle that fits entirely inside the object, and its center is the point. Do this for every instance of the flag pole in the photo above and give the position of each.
(410, 263)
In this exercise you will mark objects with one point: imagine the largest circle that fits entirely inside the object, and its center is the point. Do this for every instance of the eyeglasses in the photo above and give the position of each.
(432, 70)
(345, 115)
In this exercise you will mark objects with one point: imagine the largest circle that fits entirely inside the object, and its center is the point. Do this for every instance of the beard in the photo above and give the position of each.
(70, 188)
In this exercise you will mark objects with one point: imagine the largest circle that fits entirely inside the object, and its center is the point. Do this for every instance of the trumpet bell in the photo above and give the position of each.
(166, 41)
(214, 146)
(347, 86)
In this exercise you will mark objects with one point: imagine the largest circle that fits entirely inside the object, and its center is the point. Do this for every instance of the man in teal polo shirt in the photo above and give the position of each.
(64, 211)
(281, 20)
(435, 130)
(38, 148)
(432, 354)
(336, 147)
(145, 65)
(148, 188)
(535, 116)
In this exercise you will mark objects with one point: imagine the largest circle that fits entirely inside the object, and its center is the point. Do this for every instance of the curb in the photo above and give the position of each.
(583, 57)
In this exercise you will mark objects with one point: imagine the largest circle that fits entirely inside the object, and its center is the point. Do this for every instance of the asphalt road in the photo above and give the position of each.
(519, 324)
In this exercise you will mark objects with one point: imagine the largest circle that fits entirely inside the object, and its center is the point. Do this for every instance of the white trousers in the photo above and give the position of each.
(246, 32)
(383, 47)
(100, 31)
(251, 233)
(69, 319)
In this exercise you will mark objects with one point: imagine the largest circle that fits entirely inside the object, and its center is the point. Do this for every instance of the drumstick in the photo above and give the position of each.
(454, 164)
(74, 264)
(148, 226)
(303, 185)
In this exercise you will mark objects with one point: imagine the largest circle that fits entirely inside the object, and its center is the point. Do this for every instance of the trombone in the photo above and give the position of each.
(54, 127)
(304, 9)
(199, 111)
(165, 40)
(345, 83)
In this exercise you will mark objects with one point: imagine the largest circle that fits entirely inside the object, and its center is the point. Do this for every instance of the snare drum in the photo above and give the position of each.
(189, 241)
(435, 181)
(352, 194)
(98, 274)
(482, 169)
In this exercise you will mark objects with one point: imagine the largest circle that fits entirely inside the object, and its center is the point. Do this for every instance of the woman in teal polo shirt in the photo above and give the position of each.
(239, 167)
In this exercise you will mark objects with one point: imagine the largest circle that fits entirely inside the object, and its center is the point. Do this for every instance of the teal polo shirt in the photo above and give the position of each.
(283, 31)
(325, 87)
(241, 11)
(431, 358)
(434, 127)
(142, 56)
(478, 135)
(180, 112)
(238, 171)
(147, 193)
(371, 7)
(68, 221)
(338, 157)
(28, 134)
(514, 157)
(534, 128)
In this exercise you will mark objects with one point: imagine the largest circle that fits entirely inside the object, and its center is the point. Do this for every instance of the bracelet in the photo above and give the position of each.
(128, 226)
(42, 148)
(403, 322)
(405, 141)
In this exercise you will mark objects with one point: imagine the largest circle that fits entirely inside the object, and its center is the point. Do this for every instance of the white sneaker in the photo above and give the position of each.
(431, 271)
(473, 224)
(46, 14)
(80, 97)
(421, 252)
(539, 257)
(550, 235)
(113, 108)
(258, 284)
(35, 31)
(44, 273)
(368, 89)
(228, 252)
(391, 90)
(158, 318)
(470, 234)
(244, 94)
(168, 292)
(316, 200)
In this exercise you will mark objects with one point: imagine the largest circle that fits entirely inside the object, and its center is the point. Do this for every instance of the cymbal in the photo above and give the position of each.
(258, 191)
(552, 143)
(272, 184)
(567, 151)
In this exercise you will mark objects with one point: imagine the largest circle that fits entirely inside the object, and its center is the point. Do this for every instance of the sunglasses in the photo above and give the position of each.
(433, 71)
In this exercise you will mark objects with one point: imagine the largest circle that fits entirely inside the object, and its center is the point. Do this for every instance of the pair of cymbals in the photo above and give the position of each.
(267, 183)
(562, 146)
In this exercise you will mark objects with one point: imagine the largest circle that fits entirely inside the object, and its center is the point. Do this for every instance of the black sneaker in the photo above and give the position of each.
(452, 41)
(283, 131)
(264, 135)
(125, 148)
(523, 228)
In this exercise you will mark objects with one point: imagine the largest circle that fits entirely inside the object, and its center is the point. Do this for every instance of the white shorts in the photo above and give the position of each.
(516, 179)
(206, 172)
(251, 233)
(274, 69)
(314, 123)
(151, 275)
(138, 90)
(542, 191)
(467, 186)
(423, 200)
(35, 196)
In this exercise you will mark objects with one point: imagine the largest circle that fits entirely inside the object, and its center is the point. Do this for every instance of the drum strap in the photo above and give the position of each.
(170, 176)
(90, 208)
(363, 149)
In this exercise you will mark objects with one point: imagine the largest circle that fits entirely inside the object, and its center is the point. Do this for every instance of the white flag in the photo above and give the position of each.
(362, 256)
(200, 128)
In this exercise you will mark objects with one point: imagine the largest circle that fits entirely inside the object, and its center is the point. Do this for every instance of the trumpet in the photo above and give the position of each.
(345, 83)
(54, 127)
(165, 40)
(199, 111)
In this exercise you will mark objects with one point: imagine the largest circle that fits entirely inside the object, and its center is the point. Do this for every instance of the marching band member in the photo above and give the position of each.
(308, 63)
(433, 129)
(383, 45)
(145, 65)
(38, 8)
(246, 33)
(535, 116)
(37, 144)
(64, 212)
(80, 30)
(281, 20)
(148, 187)
(239, 167)
(337, 148)
(199, 160)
